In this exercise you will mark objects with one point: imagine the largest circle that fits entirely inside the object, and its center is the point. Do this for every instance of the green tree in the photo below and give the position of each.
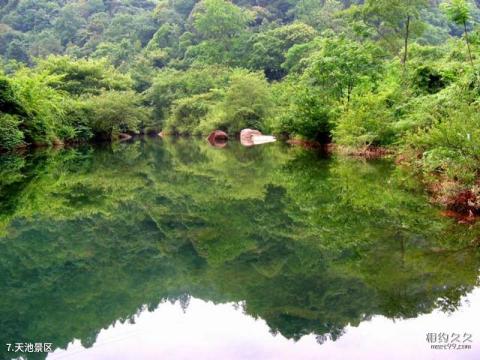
(69, 23)
(459, 12)
(393, 19)
(170, 85)
(219, 20)
(341, 65)
(114, 112)
(219, 24)
(84, 76)
(321, 15)
(269, 48)
(44, 108)
(10, 134)
(247, 102)
(368, 121)
(9, 103)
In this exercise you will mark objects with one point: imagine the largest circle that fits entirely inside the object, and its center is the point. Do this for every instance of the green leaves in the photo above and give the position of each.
(67, 100)
(219, 19)
(367, 121)
(10, 134)
(247, 102)
(391, 20)
(112, 112)
(84, 76)
(208, 98)
(267, 50)
(44, 108)
(341, 65)
(331, 75)
(451, 146)
(457, 11)
(9, 103)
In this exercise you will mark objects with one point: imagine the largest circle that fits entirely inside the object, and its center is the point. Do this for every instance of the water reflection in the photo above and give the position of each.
(307, 244)
(170, 333)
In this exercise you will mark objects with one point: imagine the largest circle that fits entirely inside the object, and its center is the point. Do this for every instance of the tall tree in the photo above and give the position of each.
(393, 20)
(459, 12)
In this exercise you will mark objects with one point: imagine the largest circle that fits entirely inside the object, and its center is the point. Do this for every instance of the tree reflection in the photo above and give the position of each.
(92, 236)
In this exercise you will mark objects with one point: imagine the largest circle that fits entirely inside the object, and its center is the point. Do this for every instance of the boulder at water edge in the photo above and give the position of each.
(218, 138)
(249, 137)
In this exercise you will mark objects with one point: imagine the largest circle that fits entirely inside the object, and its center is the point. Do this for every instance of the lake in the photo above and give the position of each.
(173, 249)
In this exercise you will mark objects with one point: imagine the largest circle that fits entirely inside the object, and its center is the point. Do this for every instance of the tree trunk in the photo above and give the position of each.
(468, 43)
(405, 51)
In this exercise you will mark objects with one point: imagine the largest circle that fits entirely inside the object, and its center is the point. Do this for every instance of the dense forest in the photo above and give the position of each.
(401, 75)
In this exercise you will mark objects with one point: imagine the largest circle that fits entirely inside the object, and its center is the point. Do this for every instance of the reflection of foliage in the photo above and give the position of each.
(311, 245)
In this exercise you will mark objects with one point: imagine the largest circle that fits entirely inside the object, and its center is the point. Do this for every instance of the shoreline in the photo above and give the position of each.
(460, 202)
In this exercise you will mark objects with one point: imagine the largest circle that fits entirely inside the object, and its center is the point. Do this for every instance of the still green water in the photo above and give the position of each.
(308, 244)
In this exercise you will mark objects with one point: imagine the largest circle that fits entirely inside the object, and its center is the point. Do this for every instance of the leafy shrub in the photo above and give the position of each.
(429, 80)
(84, 76)
(170, 85)
(247, 101)
(10, 135)
(9, 103)
(451, 146)
(301, 111)
(341, 65)
(113, 112)
(309, 115)
(368, 121)
(187, 113)
(269, 49)
(206, 98)
(44, 107)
